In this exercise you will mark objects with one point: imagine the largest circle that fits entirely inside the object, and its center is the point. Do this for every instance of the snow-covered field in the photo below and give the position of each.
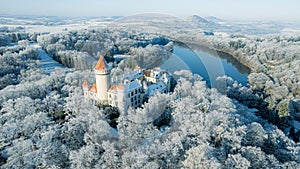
(48, 63)
(37, 24)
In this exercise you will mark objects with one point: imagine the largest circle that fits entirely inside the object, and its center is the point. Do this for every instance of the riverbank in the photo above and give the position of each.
(208, 64)
(275, 78)
(209, 47)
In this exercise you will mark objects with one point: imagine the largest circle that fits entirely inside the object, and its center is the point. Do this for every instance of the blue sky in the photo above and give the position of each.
(230, 9)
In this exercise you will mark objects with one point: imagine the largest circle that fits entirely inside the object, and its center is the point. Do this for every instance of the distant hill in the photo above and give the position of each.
(209, 24)
(214, 24)
(214, 19)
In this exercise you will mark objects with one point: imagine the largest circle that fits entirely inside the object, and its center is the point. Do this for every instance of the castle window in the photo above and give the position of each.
(135, 91)
(128, 94)
(109, 95)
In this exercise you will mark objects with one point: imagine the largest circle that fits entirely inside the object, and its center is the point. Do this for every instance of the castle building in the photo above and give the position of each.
(131, 91)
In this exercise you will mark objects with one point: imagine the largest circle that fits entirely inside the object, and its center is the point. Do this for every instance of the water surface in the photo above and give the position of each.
(207, 63)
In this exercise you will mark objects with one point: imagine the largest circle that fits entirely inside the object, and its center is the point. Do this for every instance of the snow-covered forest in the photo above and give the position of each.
(46, 123)
(274, 60)
(80, 49)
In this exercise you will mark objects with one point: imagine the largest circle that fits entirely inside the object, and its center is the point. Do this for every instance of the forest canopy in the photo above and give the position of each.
(45, 121)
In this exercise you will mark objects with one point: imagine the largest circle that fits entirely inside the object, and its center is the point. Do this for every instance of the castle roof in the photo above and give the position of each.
(137, 67)
(101, 64)
(93, 88)
(112, 88)
(120, 86)
(131, 85)
(85, 84)
(156, 87)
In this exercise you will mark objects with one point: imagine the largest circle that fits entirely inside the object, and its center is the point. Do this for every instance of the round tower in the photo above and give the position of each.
(102, 73)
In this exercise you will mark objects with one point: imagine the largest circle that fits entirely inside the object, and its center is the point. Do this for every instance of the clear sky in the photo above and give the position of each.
(230, 9)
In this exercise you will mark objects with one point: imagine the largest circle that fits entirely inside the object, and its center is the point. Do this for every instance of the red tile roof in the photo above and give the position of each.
(93, 88)
(113, 87)
(85, 84)
(102, 64)
(120, 86)
(137, 67)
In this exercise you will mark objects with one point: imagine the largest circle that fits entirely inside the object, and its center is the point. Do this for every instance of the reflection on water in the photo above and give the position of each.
(206, 62)
(222, 55)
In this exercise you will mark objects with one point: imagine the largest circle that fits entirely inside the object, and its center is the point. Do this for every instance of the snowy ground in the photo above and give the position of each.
(48, 63)
(59, 28)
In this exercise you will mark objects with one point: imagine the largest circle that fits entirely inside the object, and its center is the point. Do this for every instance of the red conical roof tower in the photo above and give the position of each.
(102, 64)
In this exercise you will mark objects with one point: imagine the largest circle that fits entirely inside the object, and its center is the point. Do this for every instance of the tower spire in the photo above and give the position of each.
(102, 73)
(102, 64)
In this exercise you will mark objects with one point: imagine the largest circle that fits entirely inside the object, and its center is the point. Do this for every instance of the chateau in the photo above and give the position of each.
(131, 91)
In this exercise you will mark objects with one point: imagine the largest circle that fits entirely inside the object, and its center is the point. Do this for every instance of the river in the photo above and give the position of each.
(198, 59)
(207, 63)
